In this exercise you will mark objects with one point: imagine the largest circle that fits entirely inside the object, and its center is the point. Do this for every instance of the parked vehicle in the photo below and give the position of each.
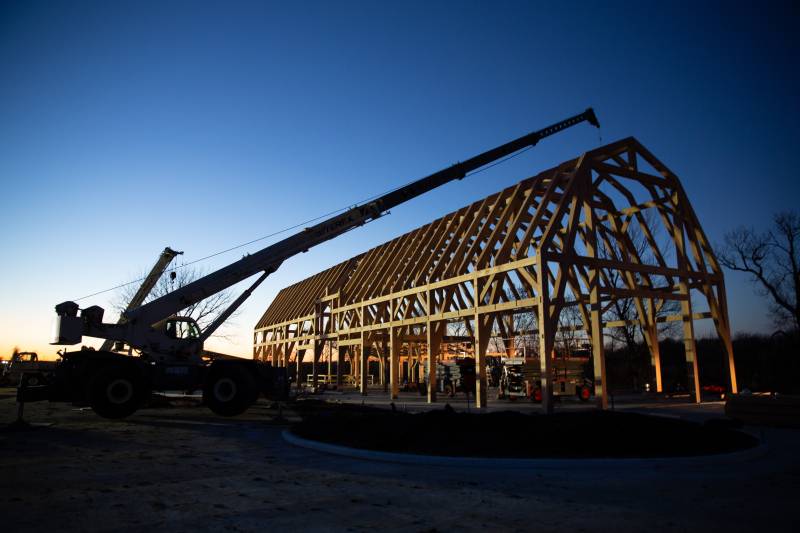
(36, 372)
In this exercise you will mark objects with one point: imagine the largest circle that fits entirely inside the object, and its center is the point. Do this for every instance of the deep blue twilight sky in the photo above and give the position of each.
(126, 127)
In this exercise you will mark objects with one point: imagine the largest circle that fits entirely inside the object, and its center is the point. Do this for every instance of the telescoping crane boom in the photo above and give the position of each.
(170, 346)
(147, 285)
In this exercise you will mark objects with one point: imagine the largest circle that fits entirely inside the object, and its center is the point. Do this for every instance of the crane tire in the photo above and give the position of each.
(230, 390)
(115, 391)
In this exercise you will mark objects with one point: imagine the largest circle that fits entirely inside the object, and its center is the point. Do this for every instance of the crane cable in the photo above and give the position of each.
(298, 225)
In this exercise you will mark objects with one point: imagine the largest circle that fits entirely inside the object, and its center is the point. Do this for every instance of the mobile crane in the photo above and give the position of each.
(169, 347)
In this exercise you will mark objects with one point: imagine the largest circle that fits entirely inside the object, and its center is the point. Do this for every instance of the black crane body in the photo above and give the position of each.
(115, 385)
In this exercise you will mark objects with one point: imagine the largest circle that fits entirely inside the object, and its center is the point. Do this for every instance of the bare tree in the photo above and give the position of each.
(527, 326)
(203, 312)
(571, 335)
(521, 326)
(772, 259)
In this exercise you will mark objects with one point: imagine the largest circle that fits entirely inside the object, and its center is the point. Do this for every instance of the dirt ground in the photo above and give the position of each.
(181, 468)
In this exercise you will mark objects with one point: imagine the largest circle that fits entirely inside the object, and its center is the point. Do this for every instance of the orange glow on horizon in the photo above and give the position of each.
(45, 351)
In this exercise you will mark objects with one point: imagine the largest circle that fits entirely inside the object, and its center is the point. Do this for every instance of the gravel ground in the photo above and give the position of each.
(182, 469)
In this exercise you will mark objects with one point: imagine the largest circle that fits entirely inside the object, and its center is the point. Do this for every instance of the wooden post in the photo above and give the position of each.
(364, 350)
(651, 337)
(298, 358)
(286, 352)
(546, 335)
(483, 330)
(726, 342)
(420, 367)
(330, 360)
(690, 348)
(340, 350)
(407, 374)
(394, 361)
(355, 363)
(689, 345)
(435, 334)
(724, 331)
(482, 334)
(598, 345)
(316, 345)
(319, 346)
(314, 352)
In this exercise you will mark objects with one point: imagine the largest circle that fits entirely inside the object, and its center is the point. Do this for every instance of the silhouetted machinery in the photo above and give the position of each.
(169, 348)
(521, 377)
(455, 375)
(27, 366)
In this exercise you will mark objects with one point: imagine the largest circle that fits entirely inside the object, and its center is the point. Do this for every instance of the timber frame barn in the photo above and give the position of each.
(614, 223)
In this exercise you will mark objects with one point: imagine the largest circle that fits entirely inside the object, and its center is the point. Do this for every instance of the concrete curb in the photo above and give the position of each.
(481, 462)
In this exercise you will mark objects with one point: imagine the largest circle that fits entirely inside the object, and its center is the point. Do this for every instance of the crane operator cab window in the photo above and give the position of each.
(182, 329)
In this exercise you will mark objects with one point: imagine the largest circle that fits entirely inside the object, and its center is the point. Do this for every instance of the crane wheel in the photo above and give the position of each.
(115, 391)
(229, 390)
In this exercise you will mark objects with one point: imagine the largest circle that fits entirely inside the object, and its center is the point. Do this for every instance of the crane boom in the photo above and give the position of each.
(270, 258)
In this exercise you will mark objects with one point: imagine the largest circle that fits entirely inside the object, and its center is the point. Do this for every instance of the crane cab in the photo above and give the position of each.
(181, 327)
(178, 336)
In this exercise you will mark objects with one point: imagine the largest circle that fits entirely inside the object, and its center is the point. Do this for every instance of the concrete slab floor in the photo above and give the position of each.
(183, 469)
